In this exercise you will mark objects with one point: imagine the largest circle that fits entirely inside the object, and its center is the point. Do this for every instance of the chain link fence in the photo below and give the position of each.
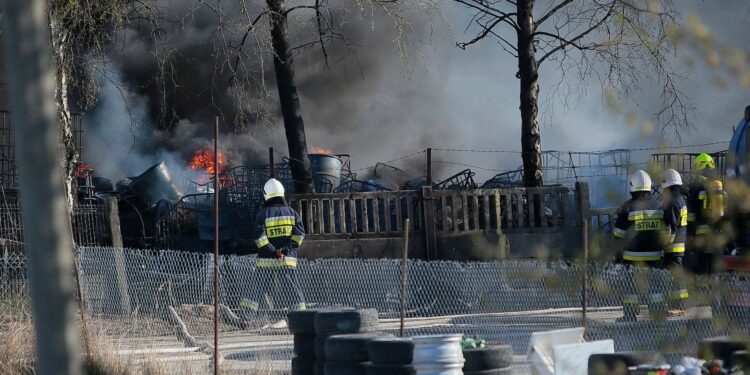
(142, 301)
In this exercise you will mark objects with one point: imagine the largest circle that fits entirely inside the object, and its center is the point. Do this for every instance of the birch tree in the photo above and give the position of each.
(623, 44)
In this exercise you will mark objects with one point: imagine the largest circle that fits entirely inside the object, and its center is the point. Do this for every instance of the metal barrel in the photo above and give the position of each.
(438, 355)
(326, 171)
(154, 185)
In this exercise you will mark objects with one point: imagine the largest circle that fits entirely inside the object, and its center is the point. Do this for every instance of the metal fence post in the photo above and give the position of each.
(404, 275)
(271, 164)
(584, 217)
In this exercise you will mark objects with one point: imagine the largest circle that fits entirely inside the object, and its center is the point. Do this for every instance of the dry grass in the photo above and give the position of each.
(17, 353)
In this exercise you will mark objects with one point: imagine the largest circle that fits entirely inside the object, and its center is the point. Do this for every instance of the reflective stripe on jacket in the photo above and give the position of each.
(676, 219)
(640, 223)
(278, 227)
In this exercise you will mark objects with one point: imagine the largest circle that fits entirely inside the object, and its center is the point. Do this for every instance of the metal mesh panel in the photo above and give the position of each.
(502, 302)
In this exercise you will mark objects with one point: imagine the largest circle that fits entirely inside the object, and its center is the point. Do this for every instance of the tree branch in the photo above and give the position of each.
(485, 31)
(485, 8)
(553, 11)
(567, 42)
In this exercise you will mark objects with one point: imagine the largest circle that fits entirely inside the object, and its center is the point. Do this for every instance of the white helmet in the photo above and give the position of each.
(273, 188)
(640, 181)
(670, 177)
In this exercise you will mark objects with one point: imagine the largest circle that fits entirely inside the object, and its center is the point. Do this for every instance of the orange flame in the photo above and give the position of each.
(204, 159)
(320, 150)
(81, 169)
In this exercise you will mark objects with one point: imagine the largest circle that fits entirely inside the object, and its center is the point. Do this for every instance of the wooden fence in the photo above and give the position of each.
(436, 214)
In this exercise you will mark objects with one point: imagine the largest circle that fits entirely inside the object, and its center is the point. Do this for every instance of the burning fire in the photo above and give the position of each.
(204, 160)
(320, 150)
(82, 168)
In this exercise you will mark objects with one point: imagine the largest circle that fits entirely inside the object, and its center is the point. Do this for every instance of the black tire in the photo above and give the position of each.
(345, 368)
(303, 365)
(349, 348)
(613, 363)
(494, 371)
(741, 360)
(380, 369)
(391, 350)
(320, 367)
(336, 322)
(304, 345)
(302, 322)
(320, 347)
(720, 348)
(491, 357)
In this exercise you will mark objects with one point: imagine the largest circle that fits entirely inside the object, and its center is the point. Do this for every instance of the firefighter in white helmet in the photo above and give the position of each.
(674, 201)
(640, 225)
(279, 231)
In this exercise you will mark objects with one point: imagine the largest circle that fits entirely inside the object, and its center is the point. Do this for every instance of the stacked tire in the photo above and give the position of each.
(302, 325)
(341, 337)
(390, 356)
(491, 360)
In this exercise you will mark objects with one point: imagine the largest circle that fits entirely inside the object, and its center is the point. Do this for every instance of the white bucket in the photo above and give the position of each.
(438, 355)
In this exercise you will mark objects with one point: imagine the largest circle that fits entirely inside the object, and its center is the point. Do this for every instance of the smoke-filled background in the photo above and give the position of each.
(377, 98)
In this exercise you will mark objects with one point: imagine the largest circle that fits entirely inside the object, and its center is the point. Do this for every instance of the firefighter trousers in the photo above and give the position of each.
(678, 293)
(643, 280)
(279, 287)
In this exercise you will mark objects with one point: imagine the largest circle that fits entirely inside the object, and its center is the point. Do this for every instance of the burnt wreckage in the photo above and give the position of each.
(350, 215)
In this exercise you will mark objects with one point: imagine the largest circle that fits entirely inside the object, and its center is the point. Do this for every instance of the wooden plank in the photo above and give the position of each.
(465, 209)
(566, 216)
(487, 222)
(519, 209)
(353, 214)
(331, 216)
(428, 213)
(387, 214)
(375, 214)
(365, 216)
(309, 219)
(321, 223)
(342, 216)
(444, 212)
(530, 195)
(454, 215)
(399, 219)
(475, 211)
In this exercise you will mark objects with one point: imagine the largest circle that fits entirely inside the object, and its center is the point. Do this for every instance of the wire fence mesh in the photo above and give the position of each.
(138, 299)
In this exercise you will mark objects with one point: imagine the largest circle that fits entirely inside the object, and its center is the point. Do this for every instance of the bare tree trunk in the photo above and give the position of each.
(49, 242)
(290, 107)
(59, 40)
(527, 72)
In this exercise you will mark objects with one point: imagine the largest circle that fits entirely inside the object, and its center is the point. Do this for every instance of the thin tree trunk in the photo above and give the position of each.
(59, 41)
(290, 107)
(46, 223)
(528, 74)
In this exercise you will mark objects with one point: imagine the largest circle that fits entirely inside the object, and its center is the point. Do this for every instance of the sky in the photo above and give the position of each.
(436, 95)
(468, 99)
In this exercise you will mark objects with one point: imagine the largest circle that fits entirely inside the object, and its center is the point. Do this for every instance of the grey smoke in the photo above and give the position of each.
(380, 109)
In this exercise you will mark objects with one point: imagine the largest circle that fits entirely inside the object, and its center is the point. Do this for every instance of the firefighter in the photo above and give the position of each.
(674, 203)
(705, 211)
(279, 232)
(640, 224)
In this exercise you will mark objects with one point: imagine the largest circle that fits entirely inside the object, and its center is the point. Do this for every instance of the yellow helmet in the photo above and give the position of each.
(704, 161)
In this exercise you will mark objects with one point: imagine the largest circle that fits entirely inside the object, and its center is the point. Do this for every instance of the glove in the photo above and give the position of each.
(279, 254)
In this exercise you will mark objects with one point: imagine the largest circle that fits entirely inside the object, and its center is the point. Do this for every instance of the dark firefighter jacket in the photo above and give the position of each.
(676, 219)
(640, 222)
(278, 231)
